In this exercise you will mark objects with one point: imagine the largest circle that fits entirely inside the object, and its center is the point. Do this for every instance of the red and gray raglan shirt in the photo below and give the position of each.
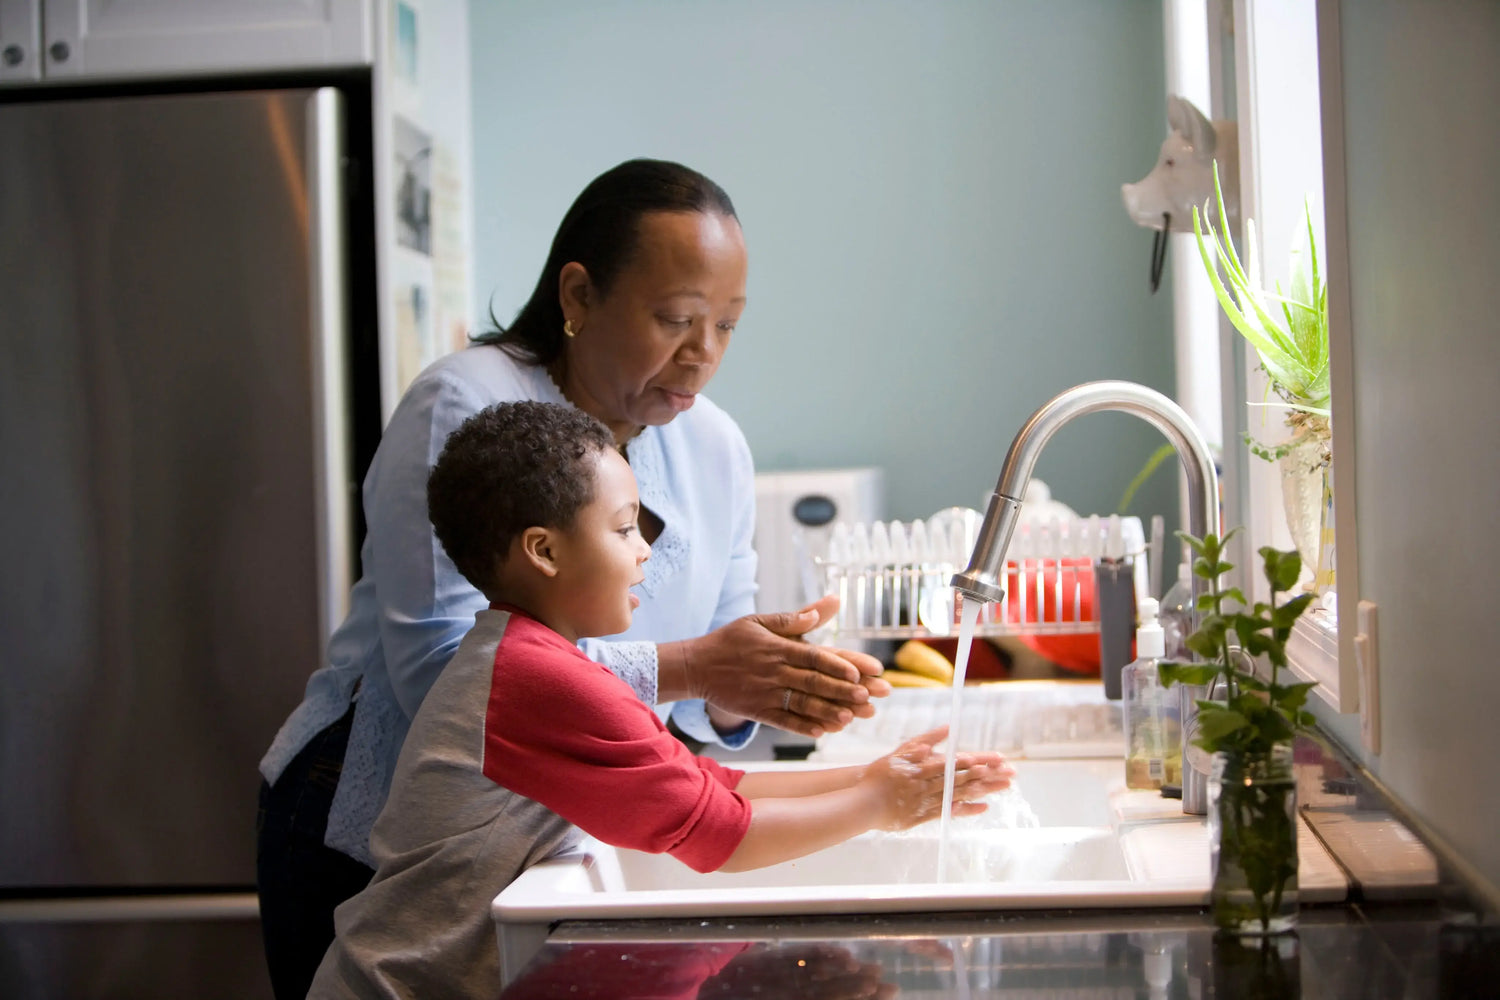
(522, 742)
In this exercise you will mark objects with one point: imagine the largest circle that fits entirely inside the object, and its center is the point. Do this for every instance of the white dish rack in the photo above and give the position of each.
(893, 578)
(1033, 719)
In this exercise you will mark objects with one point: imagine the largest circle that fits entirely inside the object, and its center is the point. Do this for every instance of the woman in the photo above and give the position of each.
(642, 288)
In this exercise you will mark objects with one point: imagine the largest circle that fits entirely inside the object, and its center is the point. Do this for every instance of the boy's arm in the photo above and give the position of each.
(793, 784)
(783, 829)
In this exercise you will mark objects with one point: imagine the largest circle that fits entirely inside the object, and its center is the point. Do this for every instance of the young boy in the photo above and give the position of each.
(523, 740)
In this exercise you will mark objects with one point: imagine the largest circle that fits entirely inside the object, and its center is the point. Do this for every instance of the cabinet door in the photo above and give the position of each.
(111, 38)
(20, 40)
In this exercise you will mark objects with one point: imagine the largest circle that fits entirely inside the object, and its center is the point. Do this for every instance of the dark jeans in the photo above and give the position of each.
(300, 880)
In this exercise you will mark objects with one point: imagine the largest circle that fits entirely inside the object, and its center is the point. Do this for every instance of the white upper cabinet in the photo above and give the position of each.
(104, 39)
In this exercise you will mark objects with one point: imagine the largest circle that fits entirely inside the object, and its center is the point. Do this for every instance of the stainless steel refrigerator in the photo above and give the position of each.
(188, 395)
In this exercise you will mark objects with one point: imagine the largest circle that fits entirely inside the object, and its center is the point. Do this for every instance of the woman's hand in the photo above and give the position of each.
(909, 782)
(759, 667)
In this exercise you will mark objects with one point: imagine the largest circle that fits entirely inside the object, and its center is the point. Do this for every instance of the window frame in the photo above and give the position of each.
(1275, 172)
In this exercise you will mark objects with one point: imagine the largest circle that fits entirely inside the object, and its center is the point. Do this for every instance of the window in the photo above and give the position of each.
(1268, 57)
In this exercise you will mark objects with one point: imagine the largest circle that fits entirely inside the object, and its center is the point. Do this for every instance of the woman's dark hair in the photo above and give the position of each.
(510, 467)
(601, 231)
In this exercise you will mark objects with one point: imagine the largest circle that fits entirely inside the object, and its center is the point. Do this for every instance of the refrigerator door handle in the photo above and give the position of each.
(195, 906)
(327, 257)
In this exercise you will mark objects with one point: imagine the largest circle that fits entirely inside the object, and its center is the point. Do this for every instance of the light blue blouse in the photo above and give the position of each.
(411, 607)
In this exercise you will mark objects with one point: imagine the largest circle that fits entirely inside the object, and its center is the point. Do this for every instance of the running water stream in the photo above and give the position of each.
(968, 617)
(961, 967)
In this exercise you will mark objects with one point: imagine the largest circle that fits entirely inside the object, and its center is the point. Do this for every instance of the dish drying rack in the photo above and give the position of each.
(1031, 719)
(1062, 576)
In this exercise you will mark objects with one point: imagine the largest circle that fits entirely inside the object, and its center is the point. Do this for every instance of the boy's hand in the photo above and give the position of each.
(909, 782)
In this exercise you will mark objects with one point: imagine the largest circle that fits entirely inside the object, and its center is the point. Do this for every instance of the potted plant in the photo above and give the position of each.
(1289, 331)
(1248, 725)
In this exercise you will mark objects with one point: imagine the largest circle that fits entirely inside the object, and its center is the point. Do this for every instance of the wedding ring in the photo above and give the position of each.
(786, 700)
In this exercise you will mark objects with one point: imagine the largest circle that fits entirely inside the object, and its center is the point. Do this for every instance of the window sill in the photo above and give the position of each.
(1312, 653)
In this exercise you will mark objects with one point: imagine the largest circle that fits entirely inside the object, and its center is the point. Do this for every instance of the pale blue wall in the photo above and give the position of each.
(930, 195)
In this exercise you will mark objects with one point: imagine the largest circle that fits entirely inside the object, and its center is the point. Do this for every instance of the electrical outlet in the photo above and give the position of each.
(1367, 655)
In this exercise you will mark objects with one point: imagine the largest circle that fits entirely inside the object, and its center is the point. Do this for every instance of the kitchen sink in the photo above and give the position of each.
(1069, 836)
(1025, 855)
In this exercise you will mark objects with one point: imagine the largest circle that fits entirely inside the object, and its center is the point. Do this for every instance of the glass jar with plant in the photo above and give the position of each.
(1248, 725)
(1289, 331)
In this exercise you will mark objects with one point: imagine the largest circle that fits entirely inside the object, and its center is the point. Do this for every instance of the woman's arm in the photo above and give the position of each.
(425, 606)
(756, 666)
(759, 667)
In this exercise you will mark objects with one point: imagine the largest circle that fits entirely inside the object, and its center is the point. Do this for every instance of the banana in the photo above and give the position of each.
(922, 659)
(907, 679)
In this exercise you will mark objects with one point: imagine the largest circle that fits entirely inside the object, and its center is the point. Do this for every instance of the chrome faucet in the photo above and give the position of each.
(981, 581)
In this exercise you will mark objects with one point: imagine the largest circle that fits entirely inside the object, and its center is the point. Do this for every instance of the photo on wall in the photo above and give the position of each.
(413, 152)
(404, 41)
(404, 72)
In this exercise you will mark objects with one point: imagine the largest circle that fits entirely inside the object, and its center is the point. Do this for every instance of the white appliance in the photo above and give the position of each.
(794, 516)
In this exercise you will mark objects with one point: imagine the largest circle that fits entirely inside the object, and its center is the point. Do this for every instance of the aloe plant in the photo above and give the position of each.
(1288, 329)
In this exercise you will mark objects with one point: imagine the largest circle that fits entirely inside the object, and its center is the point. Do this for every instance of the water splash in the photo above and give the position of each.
(959, 948)
(968, 617)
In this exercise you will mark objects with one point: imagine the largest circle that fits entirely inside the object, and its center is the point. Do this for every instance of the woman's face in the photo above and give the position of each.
(641, 354)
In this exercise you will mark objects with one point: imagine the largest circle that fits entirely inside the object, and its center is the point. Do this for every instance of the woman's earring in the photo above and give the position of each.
(568, 330)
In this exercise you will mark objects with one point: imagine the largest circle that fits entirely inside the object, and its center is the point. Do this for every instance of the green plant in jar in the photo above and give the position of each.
(1249, 729)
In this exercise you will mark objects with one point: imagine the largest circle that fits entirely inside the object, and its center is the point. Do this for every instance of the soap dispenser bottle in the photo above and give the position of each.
(1176, 614)
(1153, 725)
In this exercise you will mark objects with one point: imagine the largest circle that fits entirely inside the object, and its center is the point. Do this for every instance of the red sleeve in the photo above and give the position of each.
(726, 776)
(562, 730)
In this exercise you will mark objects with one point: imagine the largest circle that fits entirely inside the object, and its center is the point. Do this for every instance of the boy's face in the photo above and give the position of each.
(600, 556)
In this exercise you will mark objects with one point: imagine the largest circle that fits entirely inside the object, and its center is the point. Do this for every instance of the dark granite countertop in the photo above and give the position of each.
(1410, 951)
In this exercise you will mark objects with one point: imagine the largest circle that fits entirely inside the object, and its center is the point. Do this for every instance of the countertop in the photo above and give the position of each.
(1407, 928)
(1398, 950)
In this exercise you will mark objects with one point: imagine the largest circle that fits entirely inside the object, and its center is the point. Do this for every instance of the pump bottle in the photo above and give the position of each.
(1153, 723)
(1176, 613)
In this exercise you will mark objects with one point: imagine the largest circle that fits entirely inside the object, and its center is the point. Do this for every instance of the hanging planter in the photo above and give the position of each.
(1302, 500)
(1289, 331)
(1305, 489)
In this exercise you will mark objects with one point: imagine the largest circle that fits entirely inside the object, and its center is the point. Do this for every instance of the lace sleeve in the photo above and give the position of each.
(632, 662)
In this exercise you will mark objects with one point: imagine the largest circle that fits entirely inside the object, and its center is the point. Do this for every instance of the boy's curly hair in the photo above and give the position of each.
(510, 467)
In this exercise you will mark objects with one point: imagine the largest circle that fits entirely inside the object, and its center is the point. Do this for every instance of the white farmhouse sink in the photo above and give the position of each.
(1030, 855)
(1095, 845)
